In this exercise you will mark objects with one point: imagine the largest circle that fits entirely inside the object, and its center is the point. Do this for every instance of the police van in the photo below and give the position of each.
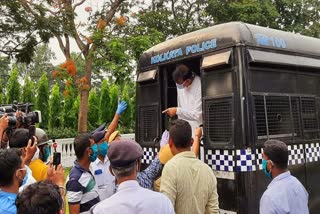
(257, 84)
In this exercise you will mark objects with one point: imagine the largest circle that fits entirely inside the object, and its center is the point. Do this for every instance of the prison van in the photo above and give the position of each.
(257, 84)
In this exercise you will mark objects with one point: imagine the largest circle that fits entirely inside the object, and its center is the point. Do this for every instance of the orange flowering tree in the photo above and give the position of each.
(58, 17)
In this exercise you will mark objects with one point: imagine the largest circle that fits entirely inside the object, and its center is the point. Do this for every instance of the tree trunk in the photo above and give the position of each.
(84, 97)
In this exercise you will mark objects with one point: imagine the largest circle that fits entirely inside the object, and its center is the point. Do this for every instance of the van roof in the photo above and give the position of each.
(227, 35)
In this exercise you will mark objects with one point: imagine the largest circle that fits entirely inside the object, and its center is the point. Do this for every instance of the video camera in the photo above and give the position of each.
(27, 118)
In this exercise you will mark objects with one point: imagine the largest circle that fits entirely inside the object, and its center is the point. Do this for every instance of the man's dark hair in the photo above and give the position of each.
(182, 72)
(81, 143)
(40, 197)
(277, 151)
(19, 138)
(180, 132)
(10, 161)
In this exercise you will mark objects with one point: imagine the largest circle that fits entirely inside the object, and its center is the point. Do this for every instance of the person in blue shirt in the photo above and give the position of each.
(12, 176)
(285, 193)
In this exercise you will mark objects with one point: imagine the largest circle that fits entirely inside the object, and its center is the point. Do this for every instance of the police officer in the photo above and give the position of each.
(125, 161)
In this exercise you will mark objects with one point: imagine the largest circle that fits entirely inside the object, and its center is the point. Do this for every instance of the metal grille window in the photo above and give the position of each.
(309, 117)
(285, 116)
(218, 121)
(148, 123)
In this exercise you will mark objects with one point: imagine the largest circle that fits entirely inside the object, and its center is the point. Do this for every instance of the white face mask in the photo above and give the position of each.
(179, 86)
(36, 155)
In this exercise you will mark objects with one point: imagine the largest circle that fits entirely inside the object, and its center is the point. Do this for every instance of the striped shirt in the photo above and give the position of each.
(81, 188)
(146, 177)
(190, 184)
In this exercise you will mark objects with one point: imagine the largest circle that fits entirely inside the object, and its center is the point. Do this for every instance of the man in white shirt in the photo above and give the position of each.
(125, 161)
(100, 167)
(188, 97)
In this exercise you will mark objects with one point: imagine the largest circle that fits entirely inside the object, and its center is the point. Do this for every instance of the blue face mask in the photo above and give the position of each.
(94, 154)
(47, 152)
(264, 168)
(103, 148)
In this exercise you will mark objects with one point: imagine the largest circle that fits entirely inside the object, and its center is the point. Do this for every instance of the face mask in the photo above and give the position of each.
(46, 154)
(179, 86)
(36, 155)
(24, 180)
(103, 148)
(94, 154)
(264, 168)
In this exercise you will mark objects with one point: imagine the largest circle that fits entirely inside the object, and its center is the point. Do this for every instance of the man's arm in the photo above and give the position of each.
(196, 142)
(213, 204)
(168, 184)
(146, 177)
(4, 122)
(56, 176)
(74, 196)
(122, 106)
(74, 208)
(267, 205)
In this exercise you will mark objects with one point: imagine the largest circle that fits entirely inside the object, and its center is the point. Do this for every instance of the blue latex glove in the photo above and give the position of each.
(122, 106)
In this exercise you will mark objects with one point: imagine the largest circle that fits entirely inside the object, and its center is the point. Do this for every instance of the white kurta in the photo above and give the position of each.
(190, 104)
(131, 198)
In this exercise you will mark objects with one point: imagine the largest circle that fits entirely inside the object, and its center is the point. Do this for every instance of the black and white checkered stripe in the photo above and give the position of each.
(312, 152)
(221, 160)
(246, 160)
(148, 154)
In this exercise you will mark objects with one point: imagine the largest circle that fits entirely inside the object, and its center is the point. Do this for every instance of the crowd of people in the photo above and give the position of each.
(107, 176)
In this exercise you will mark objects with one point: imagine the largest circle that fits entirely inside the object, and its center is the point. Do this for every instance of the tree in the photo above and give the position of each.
(57, 19)
(40, 63)
(69, 118)
(104, 108)
(2, 95)
(126, 118)
(4, 71)
(13, 87)
(93, 116)
(28, 91)
(113, 104)
(54, 108)
(42, 99)
(290, 15)
(174, 17)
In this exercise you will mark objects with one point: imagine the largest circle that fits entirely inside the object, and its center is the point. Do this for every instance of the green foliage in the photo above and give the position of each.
(4, 73)
(2, 95)
(75, 112)
(289, 15)
(62, 132)
(13, 87)
(93, 114)
(126, 117)
(42, 99)
(69, 117)
(28, 91)
(40, 63)
(54, 108)
(113, 105)
(104, 108)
